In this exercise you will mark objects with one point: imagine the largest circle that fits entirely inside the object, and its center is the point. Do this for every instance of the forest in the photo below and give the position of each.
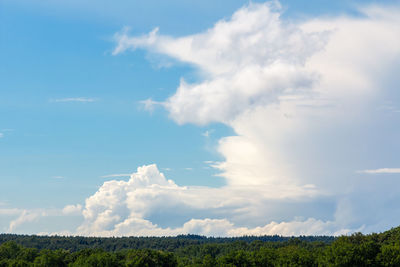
(381, 249)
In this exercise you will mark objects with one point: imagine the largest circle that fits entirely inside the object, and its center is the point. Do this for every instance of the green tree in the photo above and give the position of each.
(239, 258)
(209, 261)
(9, 250)
(50, 258)
(295, 256)
(389, 255)
(265, 257)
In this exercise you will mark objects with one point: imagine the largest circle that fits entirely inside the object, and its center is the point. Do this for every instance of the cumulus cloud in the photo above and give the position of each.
(296, 96)
(137, 206)
(248, 61)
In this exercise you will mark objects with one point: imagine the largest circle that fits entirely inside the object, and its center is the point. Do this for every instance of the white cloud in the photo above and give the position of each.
(136, 207)
(72, 210)
(4, 131)
(149, 104)
(43, 220)
(74, 99)
(224, 228)
(24, 217)
(383, 170)
(248, 61)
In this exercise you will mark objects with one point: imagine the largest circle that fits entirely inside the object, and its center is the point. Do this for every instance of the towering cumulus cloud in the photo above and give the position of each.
(137, 207)
(300, 98)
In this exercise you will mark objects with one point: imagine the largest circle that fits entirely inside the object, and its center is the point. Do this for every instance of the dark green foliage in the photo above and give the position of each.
(105, 259)
(76, 243)
(355, 250)
(150, 258)
(50, 258)
(389, 255)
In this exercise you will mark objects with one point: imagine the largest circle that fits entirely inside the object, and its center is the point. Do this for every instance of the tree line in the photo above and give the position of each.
(355, 250)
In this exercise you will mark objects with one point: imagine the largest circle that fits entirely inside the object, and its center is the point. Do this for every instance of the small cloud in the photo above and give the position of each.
(212, 164)
(207, 133)
(116, 175)
(383, 170)
(72, 209)
(167, 169)
(188, 169)
(149, 104)
(58, 177)
(74, 99)
(1, 135)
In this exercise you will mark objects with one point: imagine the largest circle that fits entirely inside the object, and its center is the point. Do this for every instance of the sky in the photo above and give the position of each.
(227, 118)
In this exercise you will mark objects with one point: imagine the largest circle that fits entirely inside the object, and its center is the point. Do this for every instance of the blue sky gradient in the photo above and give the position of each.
(71, 111)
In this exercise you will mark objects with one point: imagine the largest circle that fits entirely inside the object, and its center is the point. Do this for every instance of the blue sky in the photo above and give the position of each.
(72, 113)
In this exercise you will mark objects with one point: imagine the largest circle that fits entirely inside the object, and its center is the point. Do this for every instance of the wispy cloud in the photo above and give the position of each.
(58, 177)
(1, 135)
(116, 175)
(207, 133)
(149, 104)
(10, 211)
(389, 108)
(74, 99)
(382, 170)
(24, 217)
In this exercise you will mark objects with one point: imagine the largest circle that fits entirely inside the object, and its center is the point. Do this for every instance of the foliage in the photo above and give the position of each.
(354, 250)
